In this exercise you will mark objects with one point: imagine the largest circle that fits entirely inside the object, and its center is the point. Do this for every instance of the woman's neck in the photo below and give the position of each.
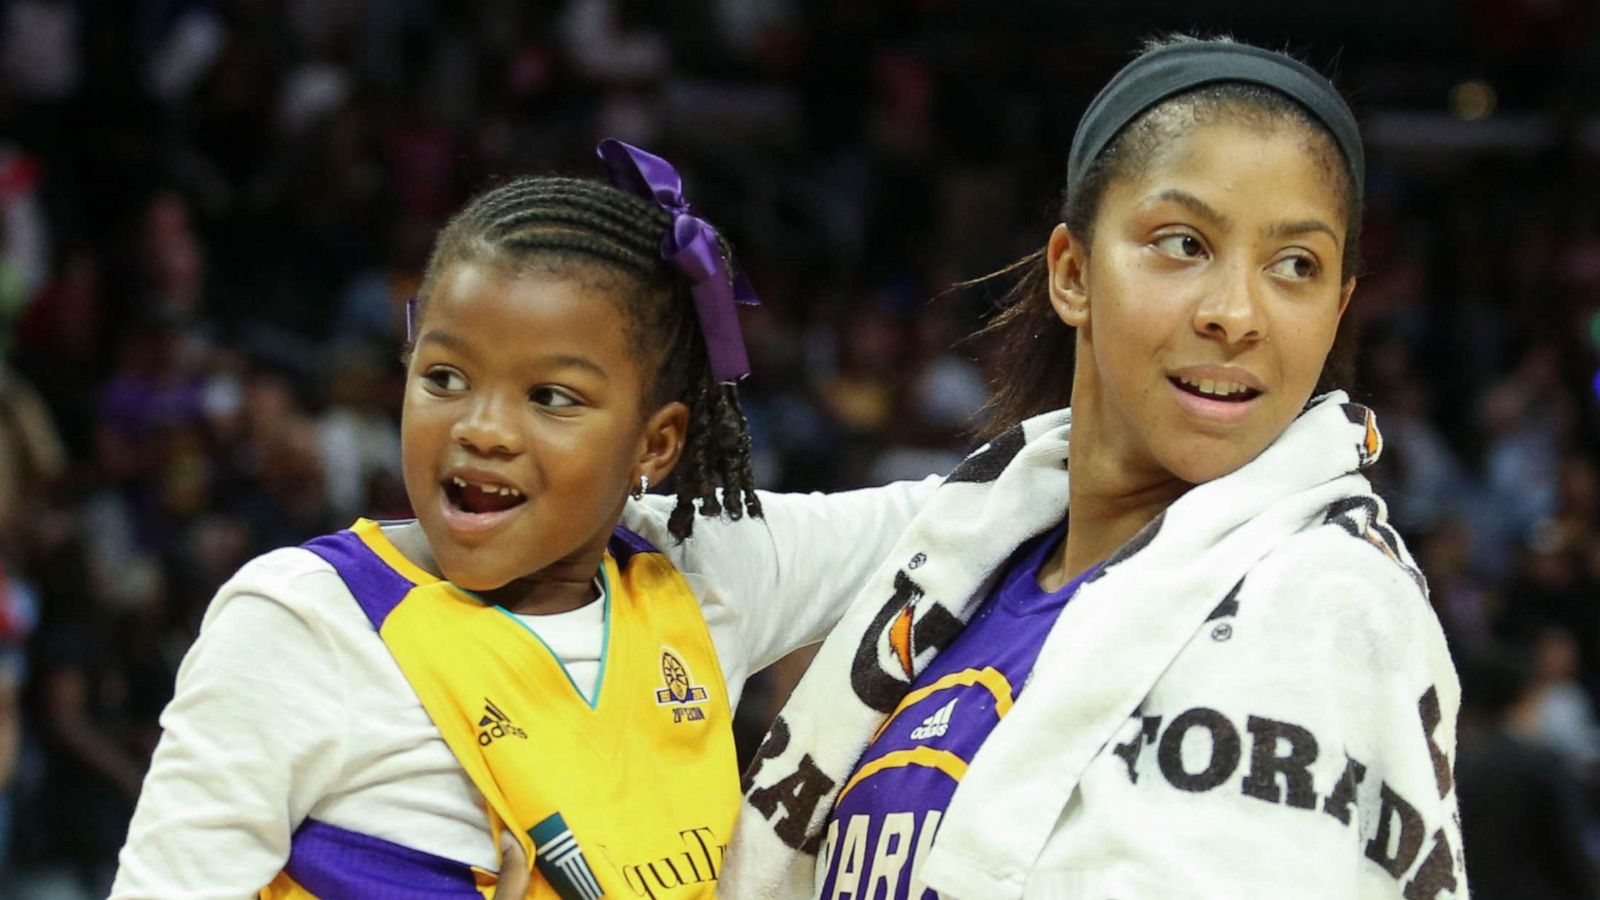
(1099, 520)
(1113, 494)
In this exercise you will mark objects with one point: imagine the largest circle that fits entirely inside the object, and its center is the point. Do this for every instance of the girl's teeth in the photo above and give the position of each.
(1207, 386)
(499, 489)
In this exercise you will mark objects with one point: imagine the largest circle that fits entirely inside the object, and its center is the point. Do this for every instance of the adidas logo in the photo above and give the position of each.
(496, 724)
(935, 725)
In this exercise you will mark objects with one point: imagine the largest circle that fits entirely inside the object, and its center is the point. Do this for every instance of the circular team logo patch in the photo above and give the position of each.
(678, 687)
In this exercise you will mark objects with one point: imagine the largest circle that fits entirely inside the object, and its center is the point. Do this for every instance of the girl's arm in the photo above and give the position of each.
(787, 577)
(251, 739)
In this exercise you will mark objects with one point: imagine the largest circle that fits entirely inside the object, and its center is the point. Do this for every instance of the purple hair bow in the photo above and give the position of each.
(689, 246)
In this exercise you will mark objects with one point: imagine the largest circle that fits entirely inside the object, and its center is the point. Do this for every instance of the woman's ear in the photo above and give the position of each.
(662, 442)
(1068, 260)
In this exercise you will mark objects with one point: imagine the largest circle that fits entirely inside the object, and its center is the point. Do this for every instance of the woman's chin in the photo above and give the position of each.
(1201, 467)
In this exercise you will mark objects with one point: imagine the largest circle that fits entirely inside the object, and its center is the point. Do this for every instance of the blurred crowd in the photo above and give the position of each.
(212, 213)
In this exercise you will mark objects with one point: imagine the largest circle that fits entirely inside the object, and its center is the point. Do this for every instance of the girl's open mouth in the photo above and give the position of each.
(471, 497)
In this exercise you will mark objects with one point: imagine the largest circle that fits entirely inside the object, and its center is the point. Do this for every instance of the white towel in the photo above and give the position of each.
(1053, 805)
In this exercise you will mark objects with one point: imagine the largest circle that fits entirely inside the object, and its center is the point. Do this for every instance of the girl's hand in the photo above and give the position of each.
(514, 874)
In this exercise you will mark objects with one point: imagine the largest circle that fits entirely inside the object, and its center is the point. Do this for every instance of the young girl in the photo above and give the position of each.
(1196, 661)
(372, 714)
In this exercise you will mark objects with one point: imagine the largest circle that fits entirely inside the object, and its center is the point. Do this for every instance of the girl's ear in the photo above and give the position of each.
(661, 443)
(1068, 260)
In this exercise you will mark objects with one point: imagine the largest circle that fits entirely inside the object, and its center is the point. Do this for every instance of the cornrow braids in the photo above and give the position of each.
(590, 227)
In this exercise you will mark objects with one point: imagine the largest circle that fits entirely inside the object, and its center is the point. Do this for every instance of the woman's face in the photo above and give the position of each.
(1208, 300)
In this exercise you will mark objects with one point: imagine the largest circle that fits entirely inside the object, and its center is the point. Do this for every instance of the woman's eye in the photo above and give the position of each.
(1183, 246)
(445, 379)
(555, 398)
(1298, 267)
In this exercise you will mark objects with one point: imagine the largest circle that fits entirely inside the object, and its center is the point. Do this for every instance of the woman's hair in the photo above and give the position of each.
(588, 229)
(1032, 350)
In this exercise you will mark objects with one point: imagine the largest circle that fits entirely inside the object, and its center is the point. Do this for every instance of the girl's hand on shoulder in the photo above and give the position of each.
(514, 874)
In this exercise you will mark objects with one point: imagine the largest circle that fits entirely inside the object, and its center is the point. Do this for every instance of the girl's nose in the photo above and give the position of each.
(489, 428)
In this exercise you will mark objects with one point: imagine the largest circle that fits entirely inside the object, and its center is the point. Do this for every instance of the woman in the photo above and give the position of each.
(1200, 666)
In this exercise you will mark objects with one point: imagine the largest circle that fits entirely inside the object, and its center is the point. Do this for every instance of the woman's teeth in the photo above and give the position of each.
(1214, 387)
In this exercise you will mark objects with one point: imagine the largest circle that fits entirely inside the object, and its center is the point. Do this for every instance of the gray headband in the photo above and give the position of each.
(1175, 69)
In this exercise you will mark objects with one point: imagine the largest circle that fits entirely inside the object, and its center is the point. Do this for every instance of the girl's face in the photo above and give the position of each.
(524, 423)
(1209, 299)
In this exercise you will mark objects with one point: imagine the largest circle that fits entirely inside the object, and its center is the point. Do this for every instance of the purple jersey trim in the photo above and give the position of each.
(880, 830)
(376, 587)
(338, 864)
(624, 544)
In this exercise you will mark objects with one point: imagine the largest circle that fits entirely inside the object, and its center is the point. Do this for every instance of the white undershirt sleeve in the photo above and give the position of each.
(250, 741)
(789, 576)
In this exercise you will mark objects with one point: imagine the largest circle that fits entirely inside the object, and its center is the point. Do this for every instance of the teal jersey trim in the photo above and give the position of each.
(605, 640)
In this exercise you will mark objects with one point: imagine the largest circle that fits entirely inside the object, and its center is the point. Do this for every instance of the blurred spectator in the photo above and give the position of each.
(1462, 597)
(357, 440)
(1526, 417)
(1522, 816)
(32, 460)
(19, 613)
(1562, 717)
(97, 699)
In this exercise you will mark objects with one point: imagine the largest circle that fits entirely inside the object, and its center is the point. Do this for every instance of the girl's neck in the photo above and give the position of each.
(546, 592)
(563, 586)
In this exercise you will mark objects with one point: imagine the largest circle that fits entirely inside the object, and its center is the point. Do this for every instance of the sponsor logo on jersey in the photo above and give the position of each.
(495, 725)
(678, 689)
(561, 861)
(698, 863)
(935, 725)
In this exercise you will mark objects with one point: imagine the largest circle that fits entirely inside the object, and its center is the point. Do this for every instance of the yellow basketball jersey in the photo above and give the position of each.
(632, 795)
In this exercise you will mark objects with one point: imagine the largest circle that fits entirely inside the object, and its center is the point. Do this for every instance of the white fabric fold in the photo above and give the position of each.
(1104, 660)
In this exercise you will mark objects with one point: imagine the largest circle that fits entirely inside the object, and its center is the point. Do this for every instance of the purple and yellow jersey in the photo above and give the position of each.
(633, 794)
(888, 812)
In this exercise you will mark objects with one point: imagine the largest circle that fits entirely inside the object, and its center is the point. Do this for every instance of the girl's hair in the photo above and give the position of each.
(589, 229)
(1033, 351)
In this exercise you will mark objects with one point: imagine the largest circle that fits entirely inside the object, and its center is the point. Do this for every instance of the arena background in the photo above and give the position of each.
(212, 212)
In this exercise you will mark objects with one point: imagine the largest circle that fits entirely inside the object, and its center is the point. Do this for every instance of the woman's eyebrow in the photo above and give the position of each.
(1300, 227)
(1195, 205)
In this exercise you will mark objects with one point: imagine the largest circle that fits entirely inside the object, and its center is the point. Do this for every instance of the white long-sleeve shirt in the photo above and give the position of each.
(289, 705)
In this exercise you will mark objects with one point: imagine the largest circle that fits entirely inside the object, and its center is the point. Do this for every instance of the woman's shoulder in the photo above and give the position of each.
(1346, 572)
(1351, 602)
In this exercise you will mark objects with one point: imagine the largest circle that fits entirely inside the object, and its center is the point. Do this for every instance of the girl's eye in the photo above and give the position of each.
(1183, 246)
(1298, 267)
(445, 379)
(554, 398)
